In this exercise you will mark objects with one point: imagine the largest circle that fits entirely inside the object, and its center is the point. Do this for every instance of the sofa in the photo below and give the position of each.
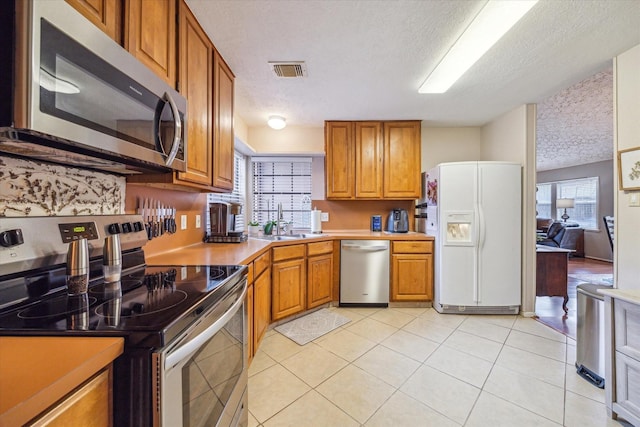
(559, 235)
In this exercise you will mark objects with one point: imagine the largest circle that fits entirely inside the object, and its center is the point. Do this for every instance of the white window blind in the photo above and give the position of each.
(543, 200)
(584, 191)
(239, 193)
(585, 194)
(282, 180)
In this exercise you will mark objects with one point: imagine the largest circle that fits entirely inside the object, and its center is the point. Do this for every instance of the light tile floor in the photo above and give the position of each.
(416, 367)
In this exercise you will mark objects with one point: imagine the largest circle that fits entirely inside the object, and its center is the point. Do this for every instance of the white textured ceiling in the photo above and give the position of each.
(575, 126)
(367, 58)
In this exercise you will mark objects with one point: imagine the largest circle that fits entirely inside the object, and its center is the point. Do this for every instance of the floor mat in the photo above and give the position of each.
(596, 279)
(307, 328)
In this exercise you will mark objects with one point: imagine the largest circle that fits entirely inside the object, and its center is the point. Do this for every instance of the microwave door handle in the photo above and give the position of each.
(177, 129)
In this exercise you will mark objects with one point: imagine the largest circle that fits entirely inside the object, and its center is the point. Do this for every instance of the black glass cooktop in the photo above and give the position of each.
(150, 304)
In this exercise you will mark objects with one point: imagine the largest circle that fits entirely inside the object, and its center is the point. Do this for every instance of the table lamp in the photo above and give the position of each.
(565, 203)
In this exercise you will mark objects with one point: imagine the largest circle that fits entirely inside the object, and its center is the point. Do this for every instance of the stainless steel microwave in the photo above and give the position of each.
(77, 98)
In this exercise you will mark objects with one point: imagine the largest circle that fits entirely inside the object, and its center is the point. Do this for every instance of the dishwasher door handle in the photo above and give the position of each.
(366, 248)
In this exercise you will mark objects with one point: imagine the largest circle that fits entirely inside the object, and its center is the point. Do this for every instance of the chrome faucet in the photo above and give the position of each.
(280, 218)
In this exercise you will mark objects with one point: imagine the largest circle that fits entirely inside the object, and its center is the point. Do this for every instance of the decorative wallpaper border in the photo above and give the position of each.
(31, 188)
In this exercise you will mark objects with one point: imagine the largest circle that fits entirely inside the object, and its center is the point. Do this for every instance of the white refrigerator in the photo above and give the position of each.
(474, 212)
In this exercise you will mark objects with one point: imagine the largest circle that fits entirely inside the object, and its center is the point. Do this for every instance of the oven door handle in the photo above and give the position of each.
(181, 353)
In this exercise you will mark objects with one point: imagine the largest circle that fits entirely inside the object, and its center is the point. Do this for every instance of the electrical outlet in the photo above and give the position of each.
(324, 216)
(183, 222)
(634, 199)
(197, 221)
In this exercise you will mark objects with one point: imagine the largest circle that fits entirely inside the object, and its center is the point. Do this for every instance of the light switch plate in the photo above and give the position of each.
(183, 222)
(634, 199)
(324, 216)
(197, 221)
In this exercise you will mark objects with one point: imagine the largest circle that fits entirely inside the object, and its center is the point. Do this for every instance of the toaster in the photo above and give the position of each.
(398, 221)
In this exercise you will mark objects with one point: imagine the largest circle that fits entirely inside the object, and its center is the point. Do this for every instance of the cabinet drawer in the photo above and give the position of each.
(413, 247)
(261, 263)
(288, 252)
(628, 383)
(627, 328)
(318, 248)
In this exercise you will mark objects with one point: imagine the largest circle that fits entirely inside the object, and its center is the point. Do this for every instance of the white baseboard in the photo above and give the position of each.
(528, 313)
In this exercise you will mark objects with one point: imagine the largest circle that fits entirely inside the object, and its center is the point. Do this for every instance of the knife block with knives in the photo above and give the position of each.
(158, 218)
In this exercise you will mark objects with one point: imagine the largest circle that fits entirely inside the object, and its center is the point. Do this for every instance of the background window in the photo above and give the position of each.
(584, 191)
(585, 195)
(282, 180)
(239, 194)
(543, 201)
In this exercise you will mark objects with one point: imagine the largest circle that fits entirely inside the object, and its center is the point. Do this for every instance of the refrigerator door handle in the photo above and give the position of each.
(481, 231)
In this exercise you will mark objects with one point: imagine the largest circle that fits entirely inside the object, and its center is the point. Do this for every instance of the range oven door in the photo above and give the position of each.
(201, 379)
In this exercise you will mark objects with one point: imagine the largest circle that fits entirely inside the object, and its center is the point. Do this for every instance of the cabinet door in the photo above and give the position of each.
(90, 405)
(368, 144)
(412, 277)
(319, 280)
(261, 306)
(289, 284)
(249, 307)
(195, 84)
(339, 162)
(105, 14)
(402, 160)
(222, 125)
(150, 35)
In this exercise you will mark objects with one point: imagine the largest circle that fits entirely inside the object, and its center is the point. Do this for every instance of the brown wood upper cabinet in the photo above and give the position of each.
(196, 84)
(105, 14)
(208, 85)
(372, 160)
(222, 124)
(150, 35)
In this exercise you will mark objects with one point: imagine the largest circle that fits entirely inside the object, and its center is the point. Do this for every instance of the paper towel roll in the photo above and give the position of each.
(316, 221)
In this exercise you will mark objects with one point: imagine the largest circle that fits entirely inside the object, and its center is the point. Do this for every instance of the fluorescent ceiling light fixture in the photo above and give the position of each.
(493, 21)
(277, 122)
(54, 84)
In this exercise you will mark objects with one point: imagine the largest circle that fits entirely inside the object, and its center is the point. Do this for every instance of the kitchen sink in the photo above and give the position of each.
(290, 236)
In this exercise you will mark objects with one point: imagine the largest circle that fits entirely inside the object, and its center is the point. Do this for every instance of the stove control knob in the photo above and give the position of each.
(126, 227)
(11, 238)
(113, 228)
(137, 226)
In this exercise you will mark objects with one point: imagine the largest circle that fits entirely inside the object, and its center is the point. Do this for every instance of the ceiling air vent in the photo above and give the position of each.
(289, 69)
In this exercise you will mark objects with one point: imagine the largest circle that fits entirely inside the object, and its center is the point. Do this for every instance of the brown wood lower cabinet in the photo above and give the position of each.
(412, 271)
(320, 267)
(249, 307)
(261, 306)
(288, 282)
(90, 405)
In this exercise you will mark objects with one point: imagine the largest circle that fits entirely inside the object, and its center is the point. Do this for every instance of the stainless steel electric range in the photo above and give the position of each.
(185, 327)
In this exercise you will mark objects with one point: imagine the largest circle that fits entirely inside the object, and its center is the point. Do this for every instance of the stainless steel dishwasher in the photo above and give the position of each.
(364, 273)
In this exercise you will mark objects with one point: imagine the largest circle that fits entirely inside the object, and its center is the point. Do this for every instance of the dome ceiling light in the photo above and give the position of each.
(277, 122)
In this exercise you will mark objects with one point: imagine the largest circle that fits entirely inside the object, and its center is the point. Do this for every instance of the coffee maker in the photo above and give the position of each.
(222, 217)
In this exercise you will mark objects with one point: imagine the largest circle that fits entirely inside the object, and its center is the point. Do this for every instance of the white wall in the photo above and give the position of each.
(511, 137)
(440, 144)
(504, 139)
(627, 132)
(288, 141)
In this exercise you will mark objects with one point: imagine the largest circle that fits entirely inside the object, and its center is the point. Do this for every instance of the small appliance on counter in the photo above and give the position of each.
(398, 221)
(421, 217)
(376, 223)
(222, 216)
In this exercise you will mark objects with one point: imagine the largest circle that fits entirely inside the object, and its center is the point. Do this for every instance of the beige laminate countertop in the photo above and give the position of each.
(628, 295)
(243, 253)
(36, 372)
